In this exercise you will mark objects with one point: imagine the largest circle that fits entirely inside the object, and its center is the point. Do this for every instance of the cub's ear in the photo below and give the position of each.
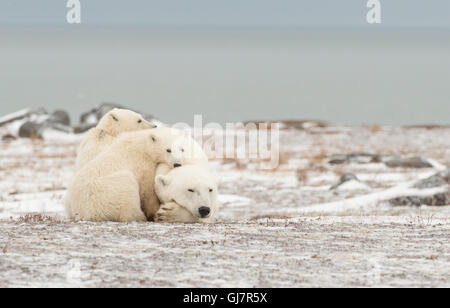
(153, 138)
(114, 117)
(162, 180)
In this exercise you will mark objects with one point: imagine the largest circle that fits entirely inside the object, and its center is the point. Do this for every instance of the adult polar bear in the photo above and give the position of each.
(187, 194)
(112, 124)
(118, 184)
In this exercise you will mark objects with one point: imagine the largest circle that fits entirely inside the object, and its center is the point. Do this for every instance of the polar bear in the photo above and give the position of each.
(187, 194)
(118, 185)
(189, 150)
(110, 126)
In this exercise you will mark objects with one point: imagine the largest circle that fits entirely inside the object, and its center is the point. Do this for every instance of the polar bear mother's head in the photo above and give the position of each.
(192, 187)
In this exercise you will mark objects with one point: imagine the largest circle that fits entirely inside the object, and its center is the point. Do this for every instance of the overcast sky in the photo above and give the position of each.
(268, 13)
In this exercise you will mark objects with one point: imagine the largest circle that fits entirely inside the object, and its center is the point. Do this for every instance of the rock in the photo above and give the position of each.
(37, 130)
(107, 107)
(359, 158)
(338, 159)
(14, 116)
(50, 125)
(446, 175)
(440, 199)
(389, 160)
(58, 121)
(60, 117)
(347, 177)
(440, 179)
(30, 130)
(26, 123)
(8, 138)
(437, 180)
(22, 114)
(83, 128)
(408, 162)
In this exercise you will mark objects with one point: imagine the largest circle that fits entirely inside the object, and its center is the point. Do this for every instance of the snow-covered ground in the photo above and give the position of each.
(278, 228)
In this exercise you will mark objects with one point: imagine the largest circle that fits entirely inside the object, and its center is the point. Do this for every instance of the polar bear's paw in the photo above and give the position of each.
(172, 212)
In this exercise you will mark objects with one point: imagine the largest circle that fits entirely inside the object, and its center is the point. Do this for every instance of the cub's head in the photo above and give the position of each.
(164, 146)
(192, 187)
(118, 121)
(190, 151)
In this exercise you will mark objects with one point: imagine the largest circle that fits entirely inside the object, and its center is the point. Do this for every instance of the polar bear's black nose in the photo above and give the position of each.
(176, 165)
(204, 211)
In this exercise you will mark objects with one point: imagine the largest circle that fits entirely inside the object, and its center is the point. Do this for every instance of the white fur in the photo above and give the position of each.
(183, 191)
(118, 185)
(188, 151)
(173, 212)
(103, 135)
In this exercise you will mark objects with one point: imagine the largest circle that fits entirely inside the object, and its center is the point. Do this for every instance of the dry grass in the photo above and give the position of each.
(421, 220)
(339, 170)
(36, 218)
(427, 127)
(9, 167)
(272, 216)
(375, 128)
(302, 175)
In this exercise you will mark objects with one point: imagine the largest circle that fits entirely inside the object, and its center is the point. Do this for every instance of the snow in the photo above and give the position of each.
(387, 177)
(367, 201)
(278, 228)
(353, 185)
(234, 200)
(14, 115)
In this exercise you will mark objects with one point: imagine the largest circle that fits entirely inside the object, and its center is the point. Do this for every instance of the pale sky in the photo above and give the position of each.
(267, 13)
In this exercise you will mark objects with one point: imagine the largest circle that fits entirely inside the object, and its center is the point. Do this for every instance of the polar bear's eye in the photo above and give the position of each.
(139, 121)
(190, 190)
(169, 151)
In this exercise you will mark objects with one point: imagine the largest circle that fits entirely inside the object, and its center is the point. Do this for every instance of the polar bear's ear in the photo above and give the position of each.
(162, 180)
(114, 117)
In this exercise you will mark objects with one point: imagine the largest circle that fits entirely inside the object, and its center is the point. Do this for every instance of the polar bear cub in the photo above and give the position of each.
(118, 185)
(187, 194)
(110, 126)
(188, 150)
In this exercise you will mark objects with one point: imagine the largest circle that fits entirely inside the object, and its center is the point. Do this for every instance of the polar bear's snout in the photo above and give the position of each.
(204, 211)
